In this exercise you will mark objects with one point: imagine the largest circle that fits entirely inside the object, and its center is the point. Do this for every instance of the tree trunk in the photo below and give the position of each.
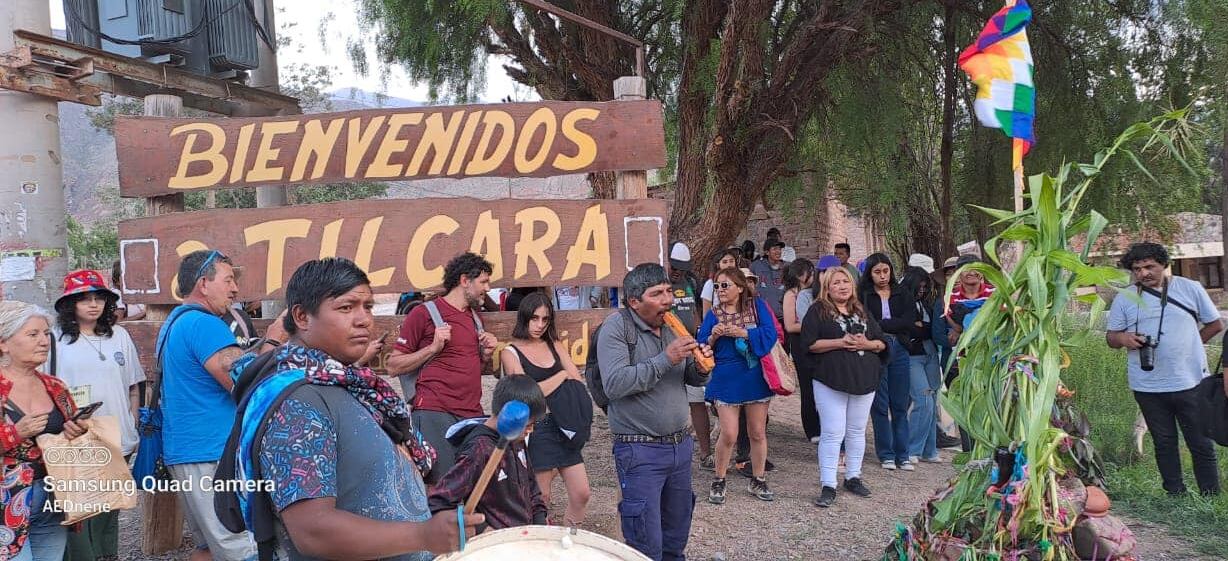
(1223, 169)
(603, 185)
(947, 237)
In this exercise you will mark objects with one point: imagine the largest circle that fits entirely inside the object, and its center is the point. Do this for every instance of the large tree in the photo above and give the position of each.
(740, 78)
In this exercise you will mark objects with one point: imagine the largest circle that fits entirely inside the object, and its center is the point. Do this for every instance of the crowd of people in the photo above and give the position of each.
(359, 470)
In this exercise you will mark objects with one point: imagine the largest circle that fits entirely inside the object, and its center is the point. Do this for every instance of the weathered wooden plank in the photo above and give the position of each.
(574, 328)
(402, 244)
(159, 156)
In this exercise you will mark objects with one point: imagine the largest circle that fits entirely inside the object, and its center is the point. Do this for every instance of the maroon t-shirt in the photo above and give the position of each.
(450, 382)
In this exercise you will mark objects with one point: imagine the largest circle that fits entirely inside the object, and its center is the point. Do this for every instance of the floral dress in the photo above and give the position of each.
(23, 466)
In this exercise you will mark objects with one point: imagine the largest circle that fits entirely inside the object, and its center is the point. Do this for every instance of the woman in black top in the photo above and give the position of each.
(896, 311)
(557, 440)
(846, 350)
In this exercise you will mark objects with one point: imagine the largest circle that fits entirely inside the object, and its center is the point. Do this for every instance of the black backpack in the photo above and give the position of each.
(592, 371)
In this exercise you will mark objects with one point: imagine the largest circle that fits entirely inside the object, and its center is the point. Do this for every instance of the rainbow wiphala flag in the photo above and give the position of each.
(1000, 64)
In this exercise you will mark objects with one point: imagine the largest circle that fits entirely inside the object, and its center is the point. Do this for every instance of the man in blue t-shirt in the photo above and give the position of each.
(1176, 317)
(197, 350)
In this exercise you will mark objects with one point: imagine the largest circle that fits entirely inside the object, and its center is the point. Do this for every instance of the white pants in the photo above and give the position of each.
(843, 417)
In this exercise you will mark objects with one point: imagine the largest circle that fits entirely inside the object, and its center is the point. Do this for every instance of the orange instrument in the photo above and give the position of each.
(705, 363)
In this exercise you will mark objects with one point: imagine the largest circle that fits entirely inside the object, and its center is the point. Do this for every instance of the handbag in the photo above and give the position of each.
(778, 369)
(148, 467)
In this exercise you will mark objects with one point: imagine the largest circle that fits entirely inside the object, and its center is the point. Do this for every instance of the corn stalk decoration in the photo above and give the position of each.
(1006, 504)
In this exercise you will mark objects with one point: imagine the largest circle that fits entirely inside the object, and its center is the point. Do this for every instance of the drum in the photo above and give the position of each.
(544, 543)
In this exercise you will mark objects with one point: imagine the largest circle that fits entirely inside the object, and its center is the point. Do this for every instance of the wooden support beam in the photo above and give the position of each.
(69, 72)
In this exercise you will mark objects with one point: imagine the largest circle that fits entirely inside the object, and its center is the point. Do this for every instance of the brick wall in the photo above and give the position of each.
(812, 227)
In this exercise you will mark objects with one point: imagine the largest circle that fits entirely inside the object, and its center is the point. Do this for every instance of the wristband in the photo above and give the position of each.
(460, 523)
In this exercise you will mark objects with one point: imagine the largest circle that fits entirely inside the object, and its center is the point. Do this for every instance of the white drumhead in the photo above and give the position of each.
(544, 543)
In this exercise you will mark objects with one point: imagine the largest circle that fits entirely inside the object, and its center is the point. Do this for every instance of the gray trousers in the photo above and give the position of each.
(434, 425)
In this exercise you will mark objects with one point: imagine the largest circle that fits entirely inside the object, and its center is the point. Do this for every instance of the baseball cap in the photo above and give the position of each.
(680, 256)
(921, 260)
(788, 254)
(950, 263)
(827, 262)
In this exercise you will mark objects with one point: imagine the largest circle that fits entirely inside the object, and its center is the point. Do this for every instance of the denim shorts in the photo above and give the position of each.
(720, 403)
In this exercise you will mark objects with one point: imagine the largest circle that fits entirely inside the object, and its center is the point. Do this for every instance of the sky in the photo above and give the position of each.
(340, 21)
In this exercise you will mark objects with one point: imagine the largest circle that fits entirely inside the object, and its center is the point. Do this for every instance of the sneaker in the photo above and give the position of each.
(914, 459)
(768, 466)
(889, 465)
(814, 440)
(856, 487)
(759, 488)
(717, 495)
(826, 498)
(708, 463)
(947, 441)
(933, 460)
(908, 466)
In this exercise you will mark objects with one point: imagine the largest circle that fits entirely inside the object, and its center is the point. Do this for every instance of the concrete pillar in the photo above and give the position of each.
(33, 241)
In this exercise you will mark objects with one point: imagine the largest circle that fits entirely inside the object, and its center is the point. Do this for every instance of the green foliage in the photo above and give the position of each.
(1011, 358)
(92, 247)
(1097, 375)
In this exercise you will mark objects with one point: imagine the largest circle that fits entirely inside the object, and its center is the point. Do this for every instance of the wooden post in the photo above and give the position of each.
(631, 184)
(161, 513)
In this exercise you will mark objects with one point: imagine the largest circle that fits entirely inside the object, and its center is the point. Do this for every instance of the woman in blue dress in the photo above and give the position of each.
(741, 329)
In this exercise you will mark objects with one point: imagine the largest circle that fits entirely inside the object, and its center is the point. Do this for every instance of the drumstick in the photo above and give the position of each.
(513, 419)
(705, 363)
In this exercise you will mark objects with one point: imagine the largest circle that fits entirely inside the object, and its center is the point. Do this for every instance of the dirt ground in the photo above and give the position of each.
(747, 529)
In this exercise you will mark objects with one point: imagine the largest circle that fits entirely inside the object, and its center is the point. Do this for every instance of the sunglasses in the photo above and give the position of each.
(208, 261)
(724, 285)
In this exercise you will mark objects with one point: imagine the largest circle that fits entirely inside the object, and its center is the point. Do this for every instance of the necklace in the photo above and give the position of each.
(96, 348)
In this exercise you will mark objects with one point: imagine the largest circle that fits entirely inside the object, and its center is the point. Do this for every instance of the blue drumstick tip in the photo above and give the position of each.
(513, 419)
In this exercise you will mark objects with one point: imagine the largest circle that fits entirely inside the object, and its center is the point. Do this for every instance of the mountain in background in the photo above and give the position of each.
(91, 176)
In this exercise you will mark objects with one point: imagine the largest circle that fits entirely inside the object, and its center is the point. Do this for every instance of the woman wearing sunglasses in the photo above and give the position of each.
(741, 330)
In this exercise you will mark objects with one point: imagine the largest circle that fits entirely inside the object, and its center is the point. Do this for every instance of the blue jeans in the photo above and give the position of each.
(923, 419)
(47, 537)
(657, 498)
(891, 402)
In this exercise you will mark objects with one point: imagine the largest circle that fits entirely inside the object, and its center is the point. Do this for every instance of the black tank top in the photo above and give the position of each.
(55, 419)
(536, 372)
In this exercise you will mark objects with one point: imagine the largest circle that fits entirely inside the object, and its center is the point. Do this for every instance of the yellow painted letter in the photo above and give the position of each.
(276, 232)
(528, 247)
(366, 246)
(543, 118)
(380, 166)
(267, 154)
(586, 147)
(487, 243)
(420, 276)
(318, 142)
(438, 138)
(211, 155)
(592, 246)
(359, 139)
(494, 122)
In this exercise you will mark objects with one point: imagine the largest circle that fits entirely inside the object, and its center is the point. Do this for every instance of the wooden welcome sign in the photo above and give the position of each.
(160, 156)
(403, 244)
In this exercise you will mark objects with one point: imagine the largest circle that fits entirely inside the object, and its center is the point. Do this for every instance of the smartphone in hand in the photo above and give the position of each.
(87, 411)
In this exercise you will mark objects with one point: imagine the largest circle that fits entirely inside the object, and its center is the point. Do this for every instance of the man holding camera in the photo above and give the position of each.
(1164, 337)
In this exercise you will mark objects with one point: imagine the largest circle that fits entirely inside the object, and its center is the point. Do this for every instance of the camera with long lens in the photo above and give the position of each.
(1147, 353)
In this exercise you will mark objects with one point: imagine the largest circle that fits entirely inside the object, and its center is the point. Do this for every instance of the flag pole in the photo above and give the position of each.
(1017, 165)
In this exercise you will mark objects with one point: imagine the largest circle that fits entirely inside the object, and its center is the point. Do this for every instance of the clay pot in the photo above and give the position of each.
(1097, 502)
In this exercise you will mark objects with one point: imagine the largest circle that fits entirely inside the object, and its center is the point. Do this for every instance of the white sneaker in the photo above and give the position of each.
(908, 466)
(914, 460)
(890, 466)
(814, 440)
